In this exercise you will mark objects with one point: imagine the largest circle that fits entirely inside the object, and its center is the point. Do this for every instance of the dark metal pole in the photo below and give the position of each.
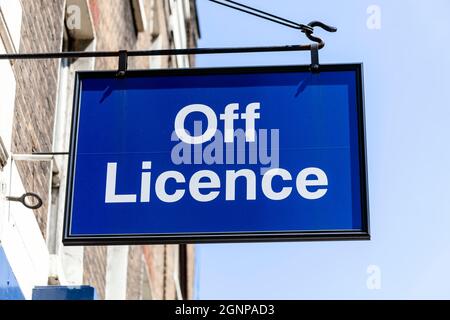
(164, 52)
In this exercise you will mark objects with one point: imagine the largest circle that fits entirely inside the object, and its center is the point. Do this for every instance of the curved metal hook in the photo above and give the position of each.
(309, 32)
(28, 196)
(322, 25)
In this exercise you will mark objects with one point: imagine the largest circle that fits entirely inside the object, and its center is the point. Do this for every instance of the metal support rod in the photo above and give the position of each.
(163, 52)
(61, 153)
(32, 157)
(262, 14)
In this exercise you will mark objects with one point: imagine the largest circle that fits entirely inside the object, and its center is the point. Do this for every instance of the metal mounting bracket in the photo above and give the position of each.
(315, 67)
(123, 63)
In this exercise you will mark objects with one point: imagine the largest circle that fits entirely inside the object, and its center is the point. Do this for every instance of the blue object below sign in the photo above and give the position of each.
(9, 288)
(234, 154)
(64, 293)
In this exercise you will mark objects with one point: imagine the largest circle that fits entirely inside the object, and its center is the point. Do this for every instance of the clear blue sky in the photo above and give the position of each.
(407, 95)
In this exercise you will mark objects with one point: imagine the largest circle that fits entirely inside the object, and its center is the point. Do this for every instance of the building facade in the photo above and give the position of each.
(35, 117)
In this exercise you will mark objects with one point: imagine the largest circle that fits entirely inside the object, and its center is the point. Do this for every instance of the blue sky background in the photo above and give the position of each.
(407, 95)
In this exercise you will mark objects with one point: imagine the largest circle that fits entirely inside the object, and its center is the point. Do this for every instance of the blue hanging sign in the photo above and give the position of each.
(217, 155)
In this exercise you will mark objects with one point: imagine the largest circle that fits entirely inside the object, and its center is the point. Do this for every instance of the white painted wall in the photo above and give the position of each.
(20, 235)
(178, 26)
(139, 15)
(116, 273)
(22, 240)
(67, 262)
(11, 22)
(176, 272)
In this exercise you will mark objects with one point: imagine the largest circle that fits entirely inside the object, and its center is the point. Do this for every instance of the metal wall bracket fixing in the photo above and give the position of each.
(315, 68)
(123, 55)
(27, 200)
(123, 63)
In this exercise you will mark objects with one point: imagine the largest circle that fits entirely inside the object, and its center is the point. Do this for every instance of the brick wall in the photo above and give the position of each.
(154, 257)
(134, 273)
(94, 262)
(42, 29)
(190, 272)
(160, 265)
(114, 26)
